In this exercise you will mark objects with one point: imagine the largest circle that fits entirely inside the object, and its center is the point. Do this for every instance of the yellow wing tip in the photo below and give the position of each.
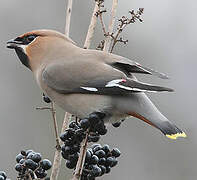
(175, 136)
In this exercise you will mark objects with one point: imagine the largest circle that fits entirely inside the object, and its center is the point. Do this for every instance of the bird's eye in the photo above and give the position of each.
(30, 38)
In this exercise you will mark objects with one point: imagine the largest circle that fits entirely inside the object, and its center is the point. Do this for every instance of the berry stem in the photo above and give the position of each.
(81, 160)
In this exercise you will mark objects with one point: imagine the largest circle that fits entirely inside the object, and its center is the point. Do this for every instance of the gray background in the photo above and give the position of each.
(165, 41)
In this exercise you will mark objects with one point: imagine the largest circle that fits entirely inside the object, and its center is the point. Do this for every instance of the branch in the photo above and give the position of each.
(58, 156)
(92, 26)
(81, 160)
(111, 25)
(89, 36)
(67, 117)
(68, 17)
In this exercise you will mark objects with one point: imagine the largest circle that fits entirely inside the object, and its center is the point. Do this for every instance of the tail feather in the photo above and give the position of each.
(140, 86)
(166, 127)
(170, 130)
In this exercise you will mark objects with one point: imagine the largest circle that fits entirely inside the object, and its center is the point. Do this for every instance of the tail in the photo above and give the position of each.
(170, 130)
(139, 105)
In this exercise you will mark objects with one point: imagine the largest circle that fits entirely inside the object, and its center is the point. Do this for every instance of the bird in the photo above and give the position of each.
(82, 81)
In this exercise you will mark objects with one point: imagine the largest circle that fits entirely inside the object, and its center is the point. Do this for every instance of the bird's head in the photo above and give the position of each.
(35, 46)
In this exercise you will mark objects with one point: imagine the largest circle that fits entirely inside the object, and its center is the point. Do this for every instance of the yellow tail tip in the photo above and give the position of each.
(175, 136)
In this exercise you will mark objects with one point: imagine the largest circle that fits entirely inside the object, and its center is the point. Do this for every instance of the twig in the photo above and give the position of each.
(100, 15)
(68, 17)
(124, 21)
(111, 25)
(81, 160)
(92, 26)
(57, 157)
(58, 147)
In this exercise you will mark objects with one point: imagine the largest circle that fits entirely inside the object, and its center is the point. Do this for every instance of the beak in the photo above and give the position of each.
(12, 44)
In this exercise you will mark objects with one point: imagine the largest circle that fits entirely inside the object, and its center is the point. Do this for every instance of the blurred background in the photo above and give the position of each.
(165, 41)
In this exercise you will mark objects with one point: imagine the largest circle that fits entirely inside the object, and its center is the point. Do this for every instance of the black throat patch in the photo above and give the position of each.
(23, 57)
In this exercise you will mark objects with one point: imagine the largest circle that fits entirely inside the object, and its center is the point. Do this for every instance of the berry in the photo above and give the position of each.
(73, 125)
(117, 124)
(108, 169)
(19, 157)
(64, 155)
(102, 161)
(88, 156)
(37, 157)
(66, 149)
(93, 138)
(111, 161)
(96, 171)
(2, 173)
(75, 148)
(94, 159)
(90, 177)
(31, 164)
(22, 161)
(70, 165)
(85, 124)
(103, 169)
(46, 164)
(46, 99)
(18, 167)
(106, 148)
(115, 162)
(64, 136)
(115, 152)
(94, 145)
(97, 148)
(29, 151)
(23, 153)
(41, 173)
(30, 155)
(74, 157)
(93, 118)
(100, 153)
(103, 131)
(100, 115)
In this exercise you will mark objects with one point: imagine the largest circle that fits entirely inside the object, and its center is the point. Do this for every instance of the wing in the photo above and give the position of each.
(88, 77)
(128, 67)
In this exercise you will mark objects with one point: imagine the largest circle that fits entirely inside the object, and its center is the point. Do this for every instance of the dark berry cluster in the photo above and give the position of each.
(99, 161)
(30, 163)
(3, 175)
(75, 134)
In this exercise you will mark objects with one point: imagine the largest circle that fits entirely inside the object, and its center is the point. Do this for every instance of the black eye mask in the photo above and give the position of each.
(26, 39)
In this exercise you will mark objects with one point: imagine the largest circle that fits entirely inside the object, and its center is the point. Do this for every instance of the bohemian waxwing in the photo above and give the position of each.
(82, 81)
